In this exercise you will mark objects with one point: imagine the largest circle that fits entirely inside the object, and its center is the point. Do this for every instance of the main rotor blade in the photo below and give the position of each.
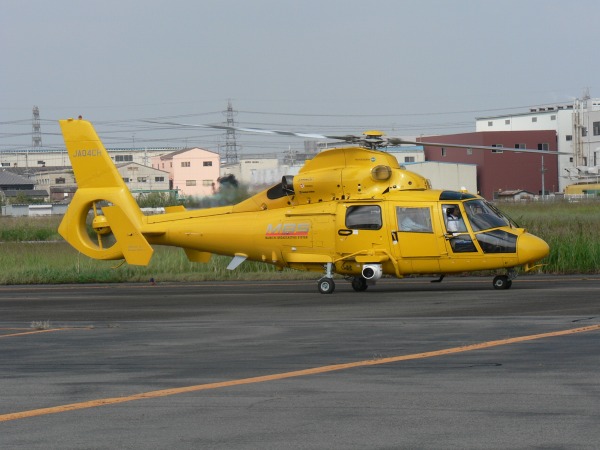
(398, 141)
(244, 129)
(349, 138)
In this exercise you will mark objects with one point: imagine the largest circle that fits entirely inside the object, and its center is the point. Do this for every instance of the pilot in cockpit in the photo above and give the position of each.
(454, 220)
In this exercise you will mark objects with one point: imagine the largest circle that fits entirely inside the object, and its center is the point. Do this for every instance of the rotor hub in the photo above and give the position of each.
(100, 225)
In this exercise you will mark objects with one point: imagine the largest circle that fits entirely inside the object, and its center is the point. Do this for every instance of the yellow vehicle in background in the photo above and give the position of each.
(583, 188)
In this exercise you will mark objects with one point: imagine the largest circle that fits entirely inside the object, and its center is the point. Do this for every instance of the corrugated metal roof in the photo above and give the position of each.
(11, 179)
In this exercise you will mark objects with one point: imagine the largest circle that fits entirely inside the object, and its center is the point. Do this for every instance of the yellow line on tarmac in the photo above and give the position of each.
(30, 332)
(284, 375)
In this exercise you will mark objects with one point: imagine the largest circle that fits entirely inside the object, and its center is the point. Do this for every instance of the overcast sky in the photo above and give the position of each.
(408, 67)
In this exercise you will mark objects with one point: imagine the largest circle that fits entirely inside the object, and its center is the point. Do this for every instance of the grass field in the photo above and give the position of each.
(572, 230)
(31, 251)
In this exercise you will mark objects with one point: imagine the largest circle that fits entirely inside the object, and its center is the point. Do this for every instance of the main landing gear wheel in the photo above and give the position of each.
(359, 284)
(326, 285)
(502, 282)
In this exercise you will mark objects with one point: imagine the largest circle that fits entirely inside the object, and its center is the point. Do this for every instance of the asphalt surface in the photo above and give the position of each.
(272, 365)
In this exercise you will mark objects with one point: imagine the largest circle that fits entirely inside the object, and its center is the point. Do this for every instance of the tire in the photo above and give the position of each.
(359, 284)
(326, 285)
(502, 282)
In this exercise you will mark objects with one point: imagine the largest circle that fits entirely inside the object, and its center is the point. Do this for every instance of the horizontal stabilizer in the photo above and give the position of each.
(236, 261)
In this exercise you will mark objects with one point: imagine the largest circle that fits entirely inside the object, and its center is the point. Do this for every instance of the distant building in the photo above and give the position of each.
(577, 129)
(13, 187)
(441, 175)
(60, 183)
(35, 195)
(141, 178)
(407, 154)
(514, 195)
(193, 171)
(61, 194)
(447, 175)
(12, 181)
(38, 158)
(501, 170)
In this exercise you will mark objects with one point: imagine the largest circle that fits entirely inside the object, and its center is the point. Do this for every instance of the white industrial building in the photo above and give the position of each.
(407, 154)
(36, 158)
(143, 179)
(577, 129)
(441, 175)
(446, 175)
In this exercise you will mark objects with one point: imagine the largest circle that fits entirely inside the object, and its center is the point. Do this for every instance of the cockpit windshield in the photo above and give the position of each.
(484, 216)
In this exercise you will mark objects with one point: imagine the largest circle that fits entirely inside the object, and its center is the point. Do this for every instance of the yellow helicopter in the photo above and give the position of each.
(352, 211)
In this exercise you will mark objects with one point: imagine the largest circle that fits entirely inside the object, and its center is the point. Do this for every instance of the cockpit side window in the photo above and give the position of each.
(453, 219)
(483, 217)
(363, 217)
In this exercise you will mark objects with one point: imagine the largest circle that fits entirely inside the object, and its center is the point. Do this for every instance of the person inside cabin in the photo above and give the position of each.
(409, 223)
(414, 219)
(454, 221)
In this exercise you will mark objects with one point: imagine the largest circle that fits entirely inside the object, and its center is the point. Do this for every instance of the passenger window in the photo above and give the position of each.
(416, 220)
(364, 217)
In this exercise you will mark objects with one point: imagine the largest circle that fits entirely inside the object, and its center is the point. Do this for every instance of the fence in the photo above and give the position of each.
(34, 210)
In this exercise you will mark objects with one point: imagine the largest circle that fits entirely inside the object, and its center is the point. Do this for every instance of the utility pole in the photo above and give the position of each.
(36, 131)
(231, 156)
(543, 170)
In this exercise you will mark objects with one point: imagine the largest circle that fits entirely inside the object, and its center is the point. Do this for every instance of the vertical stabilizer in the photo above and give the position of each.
(91, 163)
(99, 184)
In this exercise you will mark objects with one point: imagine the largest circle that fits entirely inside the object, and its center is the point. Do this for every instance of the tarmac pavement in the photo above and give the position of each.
(270, 365)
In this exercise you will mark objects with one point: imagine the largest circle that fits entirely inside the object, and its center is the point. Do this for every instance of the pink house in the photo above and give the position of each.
(194, 171)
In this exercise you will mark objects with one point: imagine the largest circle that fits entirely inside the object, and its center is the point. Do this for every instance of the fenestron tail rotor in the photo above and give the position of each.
(99, 226)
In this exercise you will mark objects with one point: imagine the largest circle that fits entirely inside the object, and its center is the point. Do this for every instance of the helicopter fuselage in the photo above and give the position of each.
(402, 233)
